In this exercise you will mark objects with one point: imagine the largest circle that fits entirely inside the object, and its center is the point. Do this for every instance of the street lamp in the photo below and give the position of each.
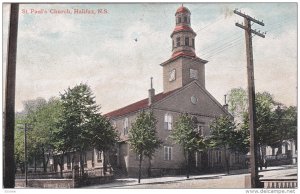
(25, 153)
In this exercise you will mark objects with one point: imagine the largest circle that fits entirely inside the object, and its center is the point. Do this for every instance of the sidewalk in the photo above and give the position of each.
(124, 182)
(160, 180)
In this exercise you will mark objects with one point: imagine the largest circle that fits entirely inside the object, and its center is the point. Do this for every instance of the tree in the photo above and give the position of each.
(274, 122)
(19, 150)
(142, 137)
(103, 136)
(285, 126)
(19, 141)
(223, 135)
(186, 135)
(237, 103)
(43, 122)
(40, 117)
(290, 122)
(78, 112)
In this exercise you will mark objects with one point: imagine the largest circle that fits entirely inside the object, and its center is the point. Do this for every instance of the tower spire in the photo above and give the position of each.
(183, 36)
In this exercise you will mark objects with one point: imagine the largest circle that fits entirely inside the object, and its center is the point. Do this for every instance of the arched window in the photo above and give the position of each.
(168, 121)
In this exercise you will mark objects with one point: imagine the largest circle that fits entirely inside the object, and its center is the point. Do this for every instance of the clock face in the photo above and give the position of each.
(172, 75)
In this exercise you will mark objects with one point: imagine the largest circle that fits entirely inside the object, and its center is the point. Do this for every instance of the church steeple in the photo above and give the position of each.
(183, 36)
(184, 66)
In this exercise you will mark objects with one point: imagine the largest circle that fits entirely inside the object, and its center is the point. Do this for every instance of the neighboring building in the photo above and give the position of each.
(183, 92)
(286, 155)
(92, 161)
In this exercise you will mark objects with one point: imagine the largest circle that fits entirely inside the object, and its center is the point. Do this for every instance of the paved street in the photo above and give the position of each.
(235, 180)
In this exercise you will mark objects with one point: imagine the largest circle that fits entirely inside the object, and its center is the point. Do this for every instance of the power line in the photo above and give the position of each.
(218, 41)
(224, 49)
(215, 50)
(224, 45)
(210, 24)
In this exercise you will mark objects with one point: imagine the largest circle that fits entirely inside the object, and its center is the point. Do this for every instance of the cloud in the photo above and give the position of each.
(58, 51)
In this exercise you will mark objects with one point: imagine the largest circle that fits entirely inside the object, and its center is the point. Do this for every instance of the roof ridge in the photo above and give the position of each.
(136, 105)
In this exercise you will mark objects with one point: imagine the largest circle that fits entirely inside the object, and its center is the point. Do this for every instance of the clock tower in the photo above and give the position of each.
(183, 66)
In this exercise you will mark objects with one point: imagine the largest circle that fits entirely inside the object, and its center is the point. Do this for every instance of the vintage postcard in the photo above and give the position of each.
(150, 95)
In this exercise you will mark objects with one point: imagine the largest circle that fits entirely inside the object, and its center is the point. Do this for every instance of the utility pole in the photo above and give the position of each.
(9, 112)
(251, 93)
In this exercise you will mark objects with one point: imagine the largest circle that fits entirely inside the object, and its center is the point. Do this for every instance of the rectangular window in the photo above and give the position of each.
(167, 153)
(126, 126)
(187, 41)
(193, 43)
(168, 121)
(177, 41)
(99, 156)
(193, 74)
(179, 20)
(185, 19)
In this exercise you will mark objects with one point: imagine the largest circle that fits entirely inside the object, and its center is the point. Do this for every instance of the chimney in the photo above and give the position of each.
(151, 93)
(225, 105)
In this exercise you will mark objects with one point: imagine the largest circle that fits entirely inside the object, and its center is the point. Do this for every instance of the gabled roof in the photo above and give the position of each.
(142, 104)
(206, 92)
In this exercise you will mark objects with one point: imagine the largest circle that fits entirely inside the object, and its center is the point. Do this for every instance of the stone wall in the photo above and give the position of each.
(45, 183)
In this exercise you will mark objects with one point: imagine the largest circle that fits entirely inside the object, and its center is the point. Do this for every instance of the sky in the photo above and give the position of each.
(57, 51)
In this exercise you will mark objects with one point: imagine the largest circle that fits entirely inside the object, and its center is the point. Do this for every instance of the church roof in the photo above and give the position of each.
(142, 104)
(182, 9)
(182, 28)
(184, 53)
